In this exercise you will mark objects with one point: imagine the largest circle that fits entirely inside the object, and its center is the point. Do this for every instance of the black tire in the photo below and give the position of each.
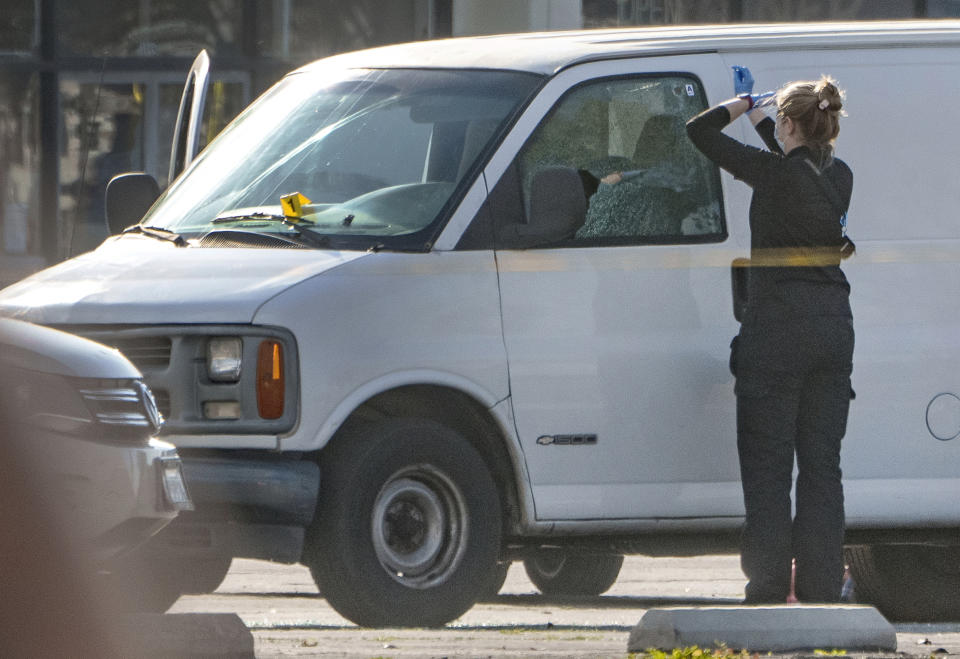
(133, 583)
(408, 525)
(908, 583)
(560, 572)
(203, 575)
(148, 582)
(497, 578)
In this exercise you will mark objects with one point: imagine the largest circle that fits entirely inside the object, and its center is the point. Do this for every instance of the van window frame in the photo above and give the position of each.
(500, 206)
(432, 232)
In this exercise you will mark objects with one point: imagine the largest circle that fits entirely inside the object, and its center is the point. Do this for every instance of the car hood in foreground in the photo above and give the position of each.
(35, 348)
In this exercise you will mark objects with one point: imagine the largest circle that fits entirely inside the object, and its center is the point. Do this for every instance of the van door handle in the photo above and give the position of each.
(739, 278)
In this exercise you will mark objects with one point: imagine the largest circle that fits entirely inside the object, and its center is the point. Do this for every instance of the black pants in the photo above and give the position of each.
(793, 395)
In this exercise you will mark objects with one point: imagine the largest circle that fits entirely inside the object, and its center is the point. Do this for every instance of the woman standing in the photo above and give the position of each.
(795, 347)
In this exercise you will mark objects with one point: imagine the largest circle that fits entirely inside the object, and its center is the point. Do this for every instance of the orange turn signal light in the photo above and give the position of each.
(270, 381)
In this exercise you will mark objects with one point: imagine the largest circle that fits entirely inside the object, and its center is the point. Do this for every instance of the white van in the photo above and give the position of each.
(448, 351)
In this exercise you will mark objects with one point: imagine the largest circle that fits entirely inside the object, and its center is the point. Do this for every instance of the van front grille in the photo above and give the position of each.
(172, 359)
(146, 352)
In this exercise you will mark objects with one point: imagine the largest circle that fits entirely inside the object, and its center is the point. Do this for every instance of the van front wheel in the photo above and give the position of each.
(408, 525)
(564, 573)
(916, 583)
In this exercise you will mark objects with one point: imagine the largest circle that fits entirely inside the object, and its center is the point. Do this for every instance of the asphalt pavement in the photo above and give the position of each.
(282, 608)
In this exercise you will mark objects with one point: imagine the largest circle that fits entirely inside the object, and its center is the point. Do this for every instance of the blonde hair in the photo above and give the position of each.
(815, 106)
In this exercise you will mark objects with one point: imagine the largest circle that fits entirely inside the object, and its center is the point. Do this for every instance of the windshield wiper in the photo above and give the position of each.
(158, 233)
(260, 217)
(304, 234)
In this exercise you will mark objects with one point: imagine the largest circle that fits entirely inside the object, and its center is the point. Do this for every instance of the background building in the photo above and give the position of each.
(90, 88)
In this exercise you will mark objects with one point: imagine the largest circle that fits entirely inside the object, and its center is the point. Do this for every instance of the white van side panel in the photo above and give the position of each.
(906, 298)
(900, 140)
(390, 320)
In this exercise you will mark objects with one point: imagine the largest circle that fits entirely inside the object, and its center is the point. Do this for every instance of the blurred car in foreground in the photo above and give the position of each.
(82, 424)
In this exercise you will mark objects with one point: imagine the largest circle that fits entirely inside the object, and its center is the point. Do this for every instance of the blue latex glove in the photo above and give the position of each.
(742, 80)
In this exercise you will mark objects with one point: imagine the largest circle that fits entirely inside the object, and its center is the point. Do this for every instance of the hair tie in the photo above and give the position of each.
(824, 104)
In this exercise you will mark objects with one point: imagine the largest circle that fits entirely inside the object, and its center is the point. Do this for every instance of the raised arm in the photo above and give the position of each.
(766, 129)
(706, 132)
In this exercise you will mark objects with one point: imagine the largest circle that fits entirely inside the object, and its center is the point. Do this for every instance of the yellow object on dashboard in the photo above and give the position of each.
(292, 205)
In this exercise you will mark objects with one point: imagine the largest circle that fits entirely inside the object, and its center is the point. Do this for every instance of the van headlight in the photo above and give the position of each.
(224, 358)
(214, 379)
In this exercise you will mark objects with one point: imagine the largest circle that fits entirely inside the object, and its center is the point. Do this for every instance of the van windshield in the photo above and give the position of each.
(378, 157)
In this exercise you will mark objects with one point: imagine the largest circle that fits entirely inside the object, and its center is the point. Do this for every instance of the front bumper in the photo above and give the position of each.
(108, 498)
(251, 489)
(248, 504)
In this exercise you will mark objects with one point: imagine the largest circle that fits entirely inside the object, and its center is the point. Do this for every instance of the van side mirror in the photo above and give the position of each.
(129, 196)
(558, 207)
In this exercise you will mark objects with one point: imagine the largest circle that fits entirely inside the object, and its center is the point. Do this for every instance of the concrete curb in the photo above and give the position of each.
(776, 628)
(184, 635)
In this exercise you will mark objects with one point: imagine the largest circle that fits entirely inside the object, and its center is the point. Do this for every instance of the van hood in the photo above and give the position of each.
(136, 280)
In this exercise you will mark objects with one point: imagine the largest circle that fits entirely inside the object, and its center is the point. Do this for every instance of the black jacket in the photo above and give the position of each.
(795, 230)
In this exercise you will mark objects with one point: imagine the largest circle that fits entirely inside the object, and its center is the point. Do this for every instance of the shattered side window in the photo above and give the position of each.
(666, 191)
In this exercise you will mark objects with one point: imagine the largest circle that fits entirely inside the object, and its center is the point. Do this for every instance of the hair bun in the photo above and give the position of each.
(816, 105)
(828, 95)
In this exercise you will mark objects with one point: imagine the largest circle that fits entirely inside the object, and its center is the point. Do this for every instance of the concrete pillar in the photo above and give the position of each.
(497, 16)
